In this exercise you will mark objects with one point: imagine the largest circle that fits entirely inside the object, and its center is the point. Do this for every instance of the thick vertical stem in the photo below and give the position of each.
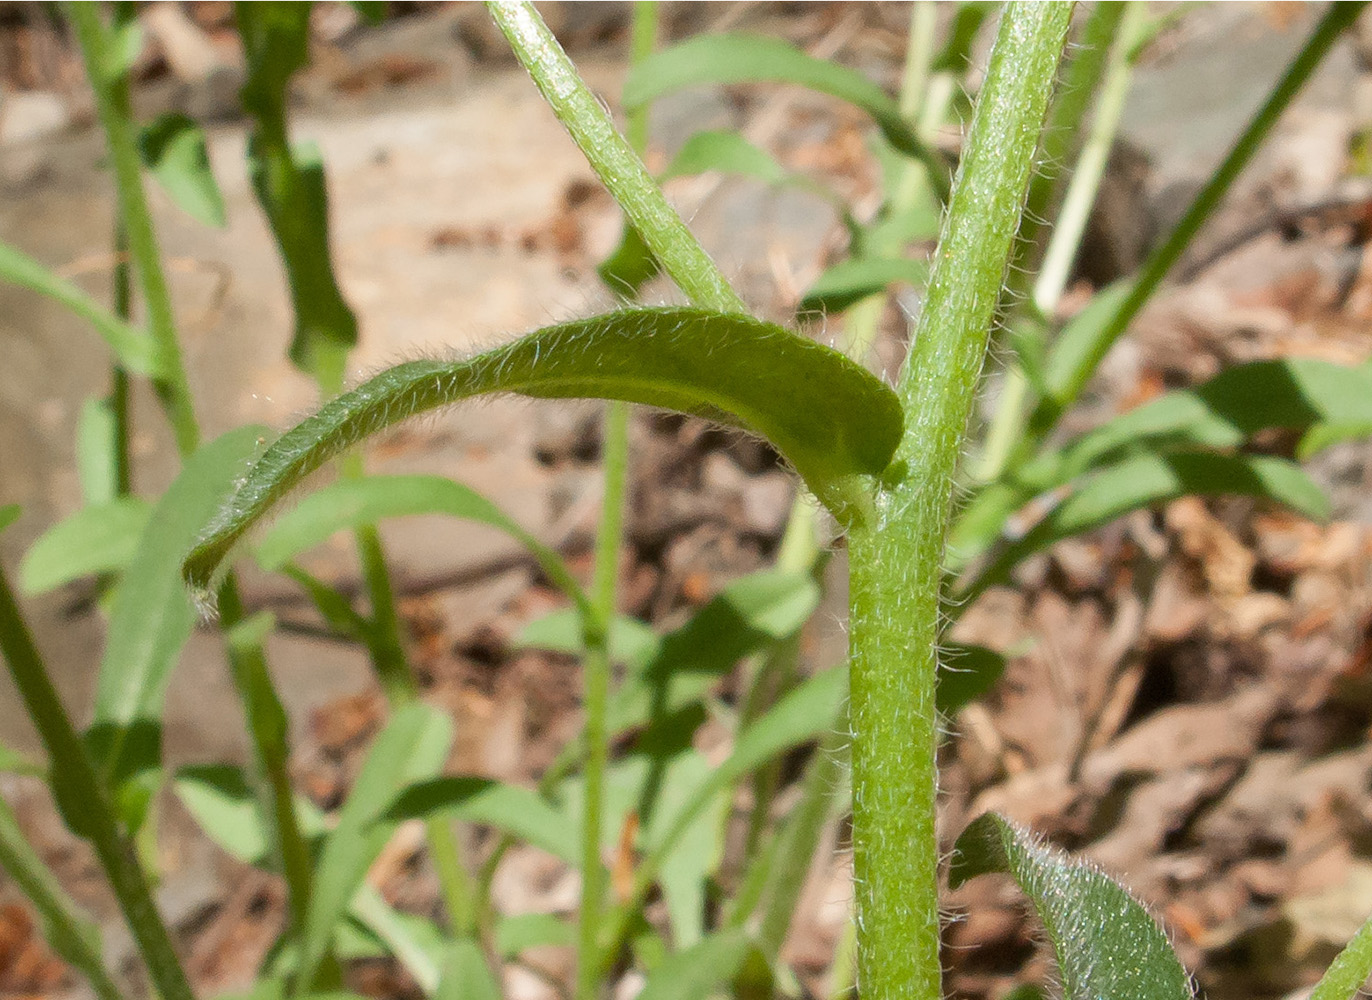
(896, 560)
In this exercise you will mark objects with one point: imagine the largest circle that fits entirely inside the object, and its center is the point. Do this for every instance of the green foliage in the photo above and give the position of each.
(1107, 945)
(173, 149)
(96, 539)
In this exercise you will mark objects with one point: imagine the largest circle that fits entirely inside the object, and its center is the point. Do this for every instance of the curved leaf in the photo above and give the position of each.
(851, 280)
(355, 502)
(510, 808)
(93, 540)
(1102, 496)
(708, 59)
(173, 148)
(223, 804)
(134, 348)
(832, 419)
(1107, 945)
(412, 747)
(727, 152)
(152, 615)
(700, 969)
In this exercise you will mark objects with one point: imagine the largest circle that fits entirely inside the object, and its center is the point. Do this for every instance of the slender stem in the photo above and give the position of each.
(116, 118)
(611, 157)
(1337, 17)
(85, 803)
(609, 538)
(1095, 153)
(119, 378)
(71, 934)
(895, 562)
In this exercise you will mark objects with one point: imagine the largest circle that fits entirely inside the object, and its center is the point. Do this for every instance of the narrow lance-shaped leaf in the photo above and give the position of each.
(152, 615)
(488, 802)
(833, 421)
(97, 539)
(134, 348)
(850, 280)
(1107, 945)
(356, 502)
(709, 59)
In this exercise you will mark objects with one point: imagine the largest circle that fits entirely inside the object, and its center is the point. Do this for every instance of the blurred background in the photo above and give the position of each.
(1204, 737)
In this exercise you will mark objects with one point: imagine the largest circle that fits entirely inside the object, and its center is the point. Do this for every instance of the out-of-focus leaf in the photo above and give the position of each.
(1111, 492)
(965, 673)
(465, 974)
(1079, 337)
(93, 540)
(833, 420)
(1107, 945)
(173, 148)
(414, 941)
(747, 616)
(631, 641)
(723, 59)
(727, 152)
(522, 931)
(97, 442)
(851, 280)
(9, 514)
(152, 615)
(134, 348)
(14, 762)
(509, 808)
(962, 34)
(1293, 393)
(700, 970)
(219, 798)
(351, 503)
(412, 747)
(332, 604)
(1323, 436)
(631, 265)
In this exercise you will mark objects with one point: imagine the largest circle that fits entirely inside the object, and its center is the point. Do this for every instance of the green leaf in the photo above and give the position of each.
(220, 799)
(852, 280)
(509, 808)
(351, 503)
(335, 606)
(833, 420)
(413, 746)
(700, 970)
(1134, 483)
(173, 148)
(630, 266)
(523, 931)
(1323, 436)
(1107, 945)
(1348, 973)
(9, 513)
(14, 762)
(749, 615)
(965, 673)
(93, 540)
(134, 348)
(97, 444)
(631, 641)
(465, 973)
(152, 615)
(1293, 393)
(724, 59)
(727, 152)
(414, 941)
(1081, 336)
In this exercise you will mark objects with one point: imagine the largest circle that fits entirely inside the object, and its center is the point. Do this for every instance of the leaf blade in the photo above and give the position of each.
(96, 539)
(1108, 947)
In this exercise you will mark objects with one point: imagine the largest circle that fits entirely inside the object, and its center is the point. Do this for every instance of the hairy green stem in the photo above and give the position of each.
(1348, 972)
(86, 804)
(1105, 54)
(1337, 18)
(611, 157)
(895, 562)
(116, 118)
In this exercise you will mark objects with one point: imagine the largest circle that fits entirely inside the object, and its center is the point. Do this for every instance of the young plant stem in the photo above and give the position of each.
(612, 158)
(1103, 66)
(86, 804)
(1348, 972)
(116, 118)
(119, 378)
(71, 934)
(110, 84)
(895, 561)
(1337, 18)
